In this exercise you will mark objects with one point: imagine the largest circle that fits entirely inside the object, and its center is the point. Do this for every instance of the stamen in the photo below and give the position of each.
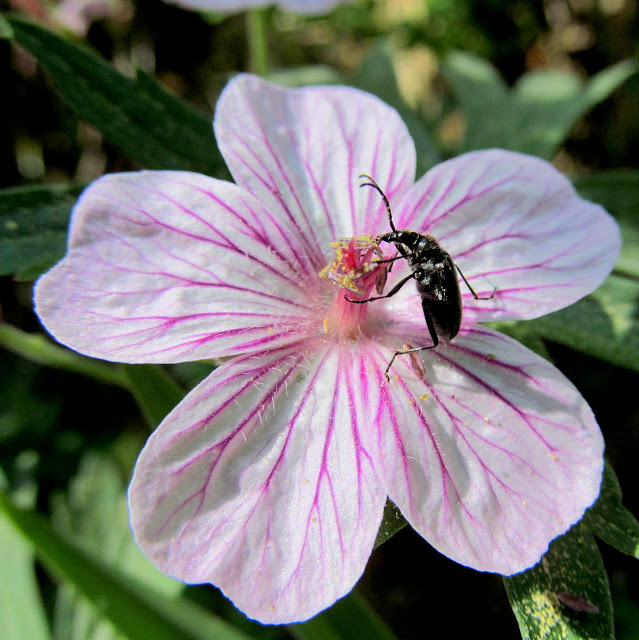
(355, 258)
(358, 269)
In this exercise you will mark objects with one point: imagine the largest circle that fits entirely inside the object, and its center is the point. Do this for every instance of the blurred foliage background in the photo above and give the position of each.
(74, 441)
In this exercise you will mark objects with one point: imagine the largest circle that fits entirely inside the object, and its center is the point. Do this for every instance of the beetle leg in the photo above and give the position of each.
(392, 292)
(472, 290)
(433, 335)
(390, 259)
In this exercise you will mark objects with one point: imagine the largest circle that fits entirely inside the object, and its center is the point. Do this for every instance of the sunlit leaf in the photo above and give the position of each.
(21, 611)
(138, 611)
(566, 596)
(609, 520)
(94, 514)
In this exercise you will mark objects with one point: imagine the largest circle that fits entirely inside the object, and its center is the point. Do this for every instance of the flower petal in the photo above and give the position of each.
(491, 452)
(300, 151)
(261, 482)
(513, 222)
(173, 266)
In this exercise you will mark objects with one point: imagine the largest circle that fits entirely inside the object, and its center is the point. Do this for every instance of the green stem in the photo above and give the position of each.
(37, 348)
(256, 36)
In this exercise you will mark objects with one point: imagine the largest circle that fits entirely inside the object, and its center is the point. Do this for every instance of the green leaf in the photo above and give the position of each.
(350, 618)
(5, 28)
(604, 324)
(305, 75)
(392, 522)
(155, 391)
(618, 193)
(377, 76)
(609, 520)
(138, 611)
(34, 224)
(21, 610)
(140, 117)
(37, 348)
(626, 616)
(551, 600)
(94, 514)
(537, 115)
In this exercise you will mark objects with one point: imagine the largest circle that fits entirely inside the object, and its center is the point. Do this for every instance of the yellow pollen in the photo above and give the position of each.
(346, 270)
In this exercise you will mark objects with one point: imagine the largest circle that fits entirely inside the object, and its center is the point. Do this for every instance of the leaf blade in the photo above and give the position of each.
(33, 227)
(604, 324)
(546, 599)
(350, 618)
(610, 521)
(155, 391)
(140, 117)
(537, 115)
(138, 611)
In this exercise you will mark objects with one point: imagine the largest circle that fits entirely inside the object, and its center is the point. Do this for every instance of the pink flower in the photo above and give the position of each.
(269, 479)
(308, 7)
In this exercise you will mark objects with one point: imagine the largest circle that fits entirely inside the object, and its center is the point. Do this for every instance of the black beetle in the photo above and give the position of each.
(433, 270)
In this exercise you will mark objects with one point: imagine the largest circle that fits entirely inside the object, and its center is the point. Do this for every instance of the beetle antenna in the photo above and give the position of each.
(372, 183)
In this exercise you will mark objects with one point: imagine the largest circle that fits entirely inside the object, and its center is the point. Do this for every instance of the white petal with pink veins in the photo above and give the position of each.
(262, 482)
(301, 151)
(491, 452)
(513, 222)
(172, 266)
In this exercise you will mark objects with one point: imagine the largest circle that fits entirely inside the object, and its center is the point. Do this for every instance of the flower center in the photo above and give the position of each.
(358, 272)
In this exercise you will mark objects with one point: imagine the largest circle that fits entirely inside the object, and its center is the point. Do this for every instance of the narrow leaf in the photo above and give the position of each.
(138, 611)
(609, 520)
(33, 228)
(94, 514)
(350, 618)
(566, 596)
(546, 105)
(481, 93)
(21, 610)
(37, 348)
(617, 192)
(377, 76)
(140, 117)
(155, 391)
(537, 115)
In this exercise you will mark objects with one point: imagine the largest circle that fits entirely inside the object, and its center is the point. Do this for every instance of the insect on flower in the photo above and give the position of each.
(433, 270)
